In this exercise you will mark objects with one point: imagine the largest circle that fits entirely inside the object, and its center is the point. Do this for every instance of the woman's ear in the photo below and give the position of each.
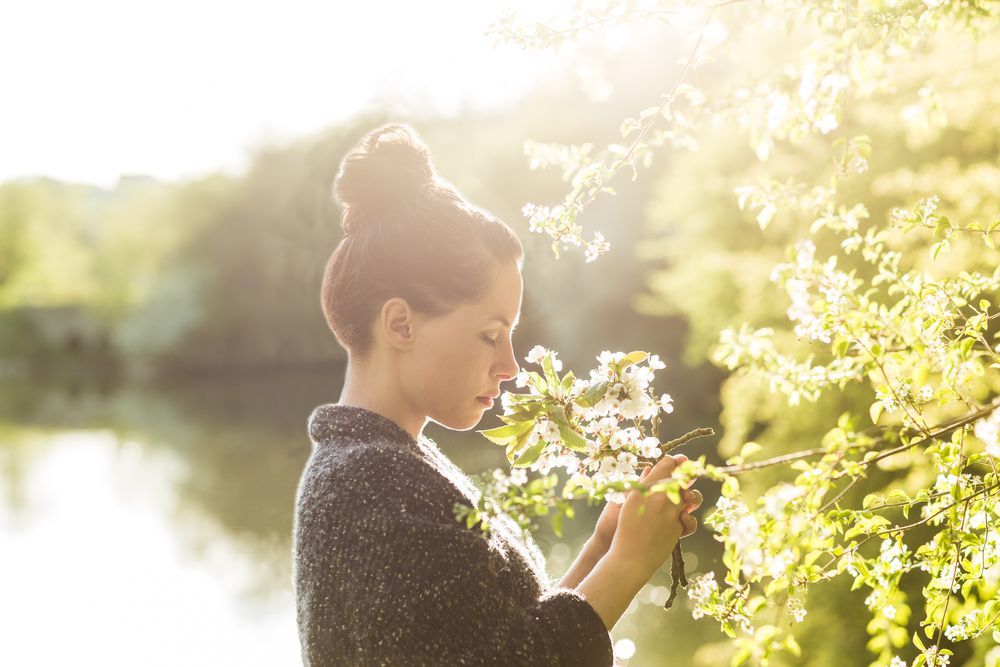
(397, 322)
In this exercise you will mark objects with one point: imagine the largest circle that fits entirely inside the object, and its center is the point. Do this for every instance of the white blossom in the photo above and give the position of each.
(988, 431)
(796, 609)
(536, 355)
(649, 447)
(700, 590)
(519, 476)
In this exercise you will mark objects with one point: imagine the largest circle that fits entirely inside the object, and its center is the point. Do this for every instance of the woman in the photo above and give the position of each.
(424, 292)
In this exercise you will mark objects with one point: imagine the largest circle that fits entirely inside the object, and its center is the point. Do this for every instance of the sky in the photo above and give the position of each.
(179, 89)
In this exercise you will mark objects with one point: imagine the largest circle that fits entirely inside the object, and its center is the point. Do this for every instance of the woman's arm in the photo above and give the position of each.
(611, 585)
(593, 550)
(384, 575)
(596, 546)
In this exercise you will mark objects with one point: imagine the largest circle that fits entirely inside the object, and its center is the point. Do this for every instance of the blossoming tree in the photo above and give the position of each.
(890, 281)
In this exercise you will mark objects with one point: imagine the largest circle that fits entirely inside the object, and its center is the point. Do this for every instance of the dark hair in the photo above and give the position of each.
(407, 233)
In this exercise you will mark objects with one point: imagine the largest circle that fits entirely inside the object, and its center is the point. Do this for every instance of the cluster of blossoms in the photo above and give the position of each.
(755, 537)
(817, 317)
(893, 561)
(902, 394)
(932, 658)
(753, 350)
(985, 559)
(702, 589)
(935, 657)
(592, 428)
(796, 609)
(924, 213)
(968, 627)
(707, 600)
(543, 219)
(592, 412)
(988, 431)
(945, 484)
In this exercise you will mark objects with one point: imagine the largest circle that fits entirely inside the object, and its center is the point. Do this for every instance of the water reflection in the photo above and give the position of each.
(152, 525)
(103, 564)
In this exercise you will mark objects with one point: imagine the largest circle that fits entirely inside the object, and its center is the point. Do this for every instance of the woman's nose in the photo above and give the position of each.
(510, 368)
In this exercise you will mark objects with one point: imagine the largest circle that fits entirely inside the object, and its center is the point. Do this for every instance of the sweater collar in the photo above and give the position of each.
(332, 420)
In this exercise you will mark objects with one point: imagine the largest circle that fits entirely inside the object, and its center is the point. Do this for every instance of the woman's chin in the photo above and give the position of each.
(464, 422)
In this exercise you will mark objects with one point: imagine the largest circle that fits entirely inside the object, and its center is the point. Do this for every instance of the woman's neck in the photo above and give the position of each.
(369, 387)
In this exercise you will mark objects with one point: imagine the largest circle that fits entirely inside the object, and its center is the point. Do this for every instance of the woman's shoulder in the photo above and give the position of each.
(361, 463)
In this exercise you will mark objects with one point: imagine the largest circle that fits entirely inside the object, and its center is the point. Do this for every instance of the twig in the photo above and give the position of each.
(677, 575)
(687, 437)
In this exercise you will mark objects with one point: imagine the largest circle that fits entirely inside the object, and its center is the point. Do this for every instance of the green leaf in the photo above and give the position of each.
(875, 410)
(897, 496)
(530, 455)
(504, 434)
(938, 247)
(550, 375)
(557, 523)
(764, 634)
(742, 655)
(514, 447)
(538, 382)
(572, 439)
(792, 646)
(557, 414)
(966, 346)
(592, 395)
(631, 358)
(567, 383)
(943, 225)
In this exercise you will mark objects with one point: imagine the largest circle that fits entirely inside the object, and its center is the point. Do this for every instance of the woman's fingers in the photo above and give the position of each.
(692, 498)
(690, 524)
(661, 469)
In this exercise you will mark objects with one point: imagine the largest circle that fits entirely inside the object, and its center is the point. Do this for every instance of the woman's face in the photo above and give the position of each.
(466, 354)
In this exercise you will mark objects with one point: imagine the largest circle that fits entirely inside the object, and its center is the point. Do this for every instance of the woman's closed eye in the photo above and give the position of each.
(489, 340)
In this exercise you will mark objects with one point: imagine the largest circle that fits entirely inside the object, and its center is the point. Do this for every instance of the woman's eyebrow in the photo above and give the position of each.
(503, 320)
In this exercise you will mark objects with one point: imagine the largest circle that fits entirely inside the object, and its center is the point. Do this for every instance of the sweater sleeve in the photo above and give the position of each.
(431, 596)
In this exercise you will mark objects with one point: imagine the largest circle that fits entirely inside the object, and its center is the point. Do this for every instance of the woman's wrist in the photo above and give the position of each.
(590, 554)
(612, 584)
(630, 560)
(598, 544)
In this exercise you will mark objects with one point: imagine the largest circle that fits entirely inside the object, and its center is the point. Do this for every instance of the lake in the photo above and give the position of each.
(150, 523)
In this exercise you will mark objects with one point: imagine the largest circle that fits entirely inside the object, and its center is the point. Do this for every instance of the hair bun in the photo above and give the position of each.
(390, 163)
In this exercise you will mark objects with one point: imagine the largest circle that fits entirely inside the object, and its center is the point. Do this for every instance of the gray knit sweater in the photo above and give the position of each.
(385, 575)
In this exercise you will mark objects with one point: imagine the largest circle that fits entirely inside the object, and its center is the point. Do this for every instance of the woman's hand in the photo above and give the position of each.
(607, 522)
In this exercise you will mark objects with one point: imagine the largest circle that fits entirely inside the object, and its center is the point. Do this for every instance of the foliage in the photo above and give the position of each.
(895, 303)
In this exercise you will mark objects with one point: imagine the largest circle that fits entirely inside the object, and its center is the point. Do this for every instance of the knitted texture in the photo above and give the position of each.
(385, 575)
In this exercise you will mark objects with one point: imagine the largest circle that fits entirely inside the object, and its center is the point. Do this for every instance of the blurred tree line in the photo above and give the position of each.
(223, 272)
